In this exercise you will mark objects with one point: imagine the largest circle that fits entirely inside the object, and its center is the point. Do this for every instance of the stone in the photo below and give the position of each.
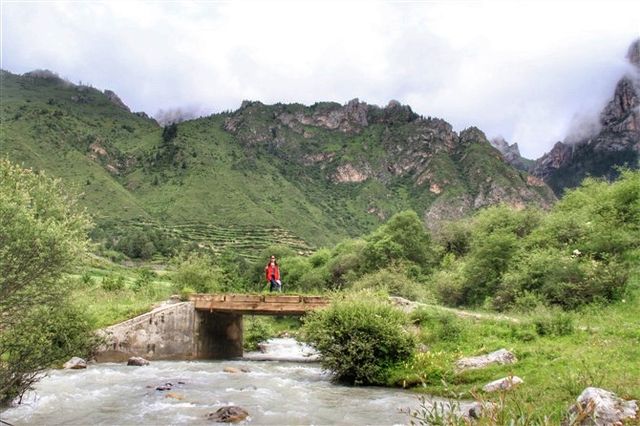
(137, 361)
(476, 409)
(504, 384)
(501, 356)
(231, 370)
(75, 363)
(167, 386)
(174, 396)
(601, 407)
(229, 414)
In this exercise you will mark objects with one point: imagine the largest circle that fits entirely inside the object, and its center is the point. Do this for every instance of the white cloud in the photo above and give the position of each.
(520, 69)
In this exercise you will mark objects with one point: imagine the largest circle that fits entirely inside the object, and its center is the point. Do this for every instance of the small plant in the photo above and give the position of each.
(113, 283)
(258, 330)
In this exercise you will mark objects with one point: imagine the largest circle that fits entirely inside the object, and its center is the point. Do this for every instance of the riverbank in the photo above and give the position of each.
(559, 355)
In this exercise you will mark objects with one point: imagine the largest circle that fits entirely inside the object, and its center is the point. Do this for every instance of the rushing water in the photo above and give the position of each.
(274, 392)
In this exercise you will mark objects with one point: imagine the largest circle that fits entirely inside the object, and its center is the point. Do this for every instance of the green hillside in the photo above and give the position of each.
(292, 174)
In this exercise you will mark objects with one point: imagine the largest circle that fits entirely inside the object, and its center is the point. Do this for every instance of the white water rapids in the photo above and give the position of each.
(273, 392)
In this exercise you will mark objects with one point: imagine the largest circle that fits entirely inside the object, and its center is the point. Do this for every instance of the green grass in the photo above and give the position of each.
(602, 350)
(106, 307)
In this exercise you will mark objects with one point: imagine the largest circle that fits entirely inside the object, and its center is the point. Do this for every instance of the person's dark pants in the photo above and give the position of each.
(274, 286)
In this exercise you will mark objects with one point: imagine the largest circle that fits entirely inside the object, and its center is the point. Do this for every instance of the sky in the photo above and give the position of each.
(529, 71)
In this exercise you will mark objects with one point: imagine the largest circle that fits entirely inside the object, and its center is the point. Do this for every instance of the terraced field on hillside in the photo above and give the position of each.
(248, 241)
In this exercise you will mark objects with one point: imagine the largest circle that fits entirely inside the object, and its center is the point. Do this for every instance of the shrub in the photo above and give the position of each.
(257, 330)
(553, 323)
(199, 273)
(113, 283)
(438, 325)
(393, 281)
(43, 336)
(360, 338)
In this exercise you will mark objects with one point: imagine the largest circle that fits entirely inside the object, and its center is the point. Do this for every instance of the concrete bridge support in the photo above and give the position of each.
(174, 332)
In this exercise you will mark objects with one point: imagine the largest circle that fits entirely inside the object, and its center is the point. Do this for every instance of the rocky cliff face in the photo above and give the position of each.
(617, 143)
(511, 154)
(385, 159)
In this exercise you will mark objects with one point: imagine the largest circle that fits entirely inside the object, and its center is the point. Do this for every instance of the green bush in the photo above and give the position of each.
(198, 272)
(438, 325)
(257, 330)
(394, 281)
(113, 283)
(360, 337)
(43, 336)
(553, 323)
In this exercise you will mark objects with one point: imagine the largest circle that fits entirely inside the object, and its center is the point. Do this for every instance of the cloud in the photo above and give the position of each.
(521, 69)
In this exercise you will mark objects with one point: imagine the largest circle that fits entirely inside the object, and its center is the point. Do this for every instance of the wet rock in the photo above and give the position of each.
(137, 361)
(477, 409)
(167, 386)
(501, 356)
(503, 384)
(229, 414)
(75, 363)
(600, 407)
(262, 347)
(231, 370)
(248, 388)
(174, 396)
(245, 369)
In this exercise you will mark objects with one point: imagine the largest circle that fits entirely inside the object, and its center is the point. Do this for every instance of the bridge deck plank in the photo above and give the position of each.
(258, 304)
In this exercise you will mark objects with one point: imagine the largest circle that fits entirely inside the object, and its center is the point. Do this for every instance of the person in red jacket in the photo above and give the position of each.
(272, 274)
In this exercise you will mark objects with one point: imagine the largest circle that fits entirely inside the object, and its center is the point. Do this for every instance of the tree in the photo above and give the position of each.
(43, 233)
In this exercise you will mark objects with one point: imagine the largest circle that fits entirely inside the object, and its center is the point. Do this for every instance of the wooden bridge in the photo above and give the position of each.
(258, 304)
(208, 326)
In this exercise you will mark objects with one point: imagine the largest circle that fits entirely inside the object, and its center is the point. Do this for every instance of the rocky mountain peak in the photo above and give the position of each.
(115, 99)
(472, 135)
(598, 153)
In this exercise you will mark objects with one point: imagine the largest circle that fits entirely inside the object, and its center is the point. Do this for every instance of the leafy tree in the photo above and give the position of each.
(403, 237)
(43, 234)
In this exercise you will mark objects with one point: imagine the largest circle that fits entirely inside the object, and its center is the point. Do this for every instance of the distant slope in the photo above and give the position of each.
(307, 176)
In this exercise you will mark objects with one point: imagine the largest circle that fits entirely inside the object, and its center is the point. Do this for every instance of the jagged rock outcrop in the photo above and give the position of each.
(616, 143)
(115, 99)
(511, 153)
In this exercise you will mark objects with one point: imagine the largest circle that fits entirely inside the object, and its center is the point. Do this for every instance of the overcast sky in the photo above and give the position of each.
(525, 70)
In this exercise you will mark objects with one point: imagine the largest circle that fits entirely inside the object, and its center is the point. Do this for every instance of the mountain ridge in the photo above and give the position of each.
(319, 173)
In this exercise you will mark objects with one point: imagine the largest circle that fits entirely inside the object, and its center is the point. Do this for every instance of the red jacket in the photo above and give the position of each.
(272, 270)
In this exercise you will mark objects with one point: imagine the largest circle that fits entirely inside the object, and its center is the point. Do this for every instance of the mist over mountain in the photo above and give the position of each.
(598, 148)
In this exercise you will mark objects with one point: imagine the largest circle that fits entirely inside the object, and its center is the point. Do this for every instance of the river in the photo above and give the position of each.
(286, 389)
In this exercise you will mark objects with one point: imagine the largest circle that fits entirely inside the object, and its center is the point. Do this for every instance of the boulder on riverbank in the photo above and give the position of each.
(600, 407)
(501, 356)
(229, 414)
(137, 361)
(75, 363)
(504, 384)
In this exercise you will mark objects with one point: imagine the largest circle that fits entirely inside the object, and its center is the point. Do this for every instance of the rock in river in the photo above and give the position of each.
(137, 361)
(75, 363)
(229, 414)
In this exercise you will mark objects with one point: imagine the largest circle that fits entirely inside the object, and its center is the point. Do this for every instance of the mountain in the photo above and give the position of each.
(302, 175)
(511, 154)
(616, 142)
